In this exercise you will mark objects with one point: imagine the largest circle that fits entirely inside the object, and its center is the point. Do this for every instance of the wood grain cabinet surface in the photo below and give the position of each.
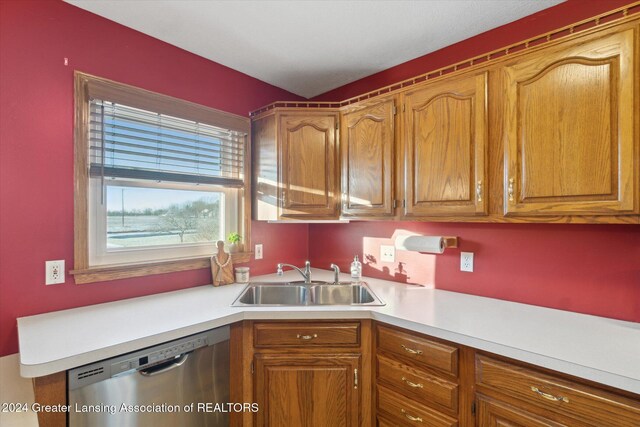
(296, 165)
(445, 143)
(367, 142)
(417, 379)
(308, 373)
(569, 123)
(554, 396)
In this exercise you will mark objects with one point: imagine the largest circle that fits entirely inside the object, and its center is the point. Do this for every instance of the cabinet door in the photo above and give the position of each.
(569, 129)
(367, 146)
(493, 413)
(445, 144)
(308, 162)
(307, 390)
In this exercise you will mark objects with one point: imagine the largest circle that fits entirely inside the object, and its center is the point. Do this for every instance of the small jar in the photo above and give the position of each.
(242, 274)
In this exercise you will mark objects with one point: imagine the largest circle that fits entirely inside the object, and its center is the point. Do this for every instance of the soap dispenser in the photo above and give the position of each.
(356, 269)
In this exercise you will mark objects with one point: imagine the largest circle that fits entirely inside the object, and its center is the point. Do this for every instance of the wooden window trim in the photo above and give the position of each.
(87, 86)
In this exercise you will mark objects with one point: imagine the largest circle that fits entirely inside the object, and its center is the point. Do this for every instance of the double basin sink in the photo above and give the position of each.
(308, 294)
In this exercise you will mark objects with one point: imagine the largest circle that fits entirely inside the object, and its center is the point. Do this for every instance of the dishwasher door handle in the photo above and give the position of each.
(166, 366)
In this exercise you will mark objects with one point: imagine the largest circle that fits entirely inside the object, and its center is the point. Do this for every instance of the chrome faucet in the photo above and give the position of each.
(306, 273)
(336, 274)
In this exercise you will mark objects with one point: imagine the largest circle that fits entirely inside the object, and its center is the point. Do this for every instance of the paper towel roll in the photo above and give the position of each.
(429, 244)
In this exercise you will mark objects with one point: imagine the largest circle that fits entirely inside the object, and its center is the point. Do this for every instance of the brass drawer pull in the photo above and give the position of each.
(479, 191)
(410, 384)
(306, 337)
(411, 417)
(549, 396)
(410, 350)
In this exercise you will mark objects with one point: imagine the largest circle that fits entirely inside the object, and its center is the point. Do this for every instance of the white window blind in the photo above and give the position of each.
(128, 142)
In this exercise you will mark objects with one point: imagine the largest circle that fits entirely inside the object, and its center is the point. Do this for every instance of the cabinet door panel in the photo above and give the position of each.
(311, 390)
(308, 165)
(446, 132)
(569, 125)
(367, 161)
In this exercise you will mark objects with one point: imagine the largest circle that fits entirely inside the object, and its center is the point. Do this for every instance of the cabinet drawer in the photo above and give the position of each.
(407, 412)
(582, 402)
(306, 334)
(422, 350)
(419, 385)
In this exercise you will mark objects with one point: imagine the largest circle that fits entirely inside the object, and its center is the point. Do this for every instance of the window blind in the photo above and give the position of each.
(128, 142)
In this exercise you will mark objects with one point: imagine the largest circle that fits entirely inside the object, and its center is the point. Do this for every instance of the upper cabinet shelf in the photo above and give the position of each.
(550, 133)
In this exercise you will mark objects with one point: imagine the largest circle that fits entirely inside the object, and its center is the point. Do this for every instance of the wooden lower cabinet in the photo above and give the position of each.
(493, 413)
(308, 373)
(307, 390)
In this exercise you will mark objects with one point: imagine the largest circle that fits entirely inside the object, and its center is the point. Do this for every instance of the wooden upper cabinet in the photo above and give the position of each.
(308, 165)
(367, 151)
(569, 123)
(445, 147)
(295, 166)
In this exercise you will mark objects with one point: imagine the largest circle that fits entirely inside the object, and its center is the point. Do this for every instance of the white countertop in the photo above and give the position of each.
(595, 348)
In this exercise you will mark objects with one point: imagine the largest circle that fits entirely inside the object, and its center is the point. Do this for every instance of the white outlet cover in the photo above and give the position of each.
(258, 251)
(54, 272)
(466, 261)
(387, 253)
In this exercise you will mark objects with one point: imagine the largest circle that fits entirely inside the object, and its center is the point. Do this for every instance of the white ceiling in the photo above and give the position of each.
(311, 47)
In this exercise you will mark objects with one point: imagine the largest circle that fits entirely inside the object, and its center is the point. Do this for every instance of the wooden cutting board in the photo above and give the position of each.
(221, 266)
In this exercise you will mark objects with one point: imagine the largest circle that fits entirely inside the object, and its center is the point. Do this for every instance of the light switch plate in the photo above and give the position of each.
(258, 252)
(387, 253)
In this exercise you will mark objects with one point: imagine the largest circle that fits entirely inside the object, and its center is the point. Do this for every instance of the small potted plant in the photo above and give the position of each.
(234, 240)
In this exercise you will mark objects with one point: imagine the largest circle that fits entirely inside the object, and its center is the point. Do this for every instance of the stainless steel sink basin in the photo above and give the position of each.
(342, 294)
(274, 294)
(299, 294)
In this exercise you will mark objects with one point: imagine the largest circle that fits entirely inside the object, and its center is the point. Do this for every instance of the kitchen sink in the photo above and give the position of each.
(273, 294)
(299, 293)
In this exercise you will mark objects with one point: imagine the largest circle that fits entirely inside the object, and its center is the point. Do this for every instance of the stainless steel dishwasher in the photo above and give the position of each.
(180, 383)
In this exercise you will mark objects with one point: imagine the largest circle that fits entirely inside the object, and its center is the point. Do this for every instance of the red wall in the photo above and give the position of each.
(591, 269)
(36, 150)
(586, 268)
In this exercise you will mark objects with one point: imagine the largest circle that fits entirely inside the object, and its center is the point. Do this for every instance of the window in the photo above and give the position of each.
(158, 181)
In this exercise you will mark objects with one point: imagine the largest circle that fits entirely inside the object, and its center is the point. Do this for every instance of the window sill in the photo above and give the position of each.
(124, 271)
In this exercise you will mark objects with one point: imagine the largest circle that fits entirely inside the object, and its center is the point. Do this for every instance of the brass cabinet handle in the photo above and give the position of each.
(549, 396)
(306, 337)
(284, 198)
(479, 191)
(410, 350)
(412, 384)
(510, 189)
(355, 378)
(411, 417)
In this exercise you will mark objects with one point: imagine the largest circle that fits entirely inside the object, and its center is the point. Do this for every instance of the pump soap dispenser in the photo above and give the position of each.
(356, 269)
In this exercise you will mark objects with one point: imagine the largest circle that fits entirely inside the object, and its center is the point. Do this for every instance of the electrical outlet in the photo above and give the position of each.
(258, 252)
(387, 253)
(466, 261)
(54, 272)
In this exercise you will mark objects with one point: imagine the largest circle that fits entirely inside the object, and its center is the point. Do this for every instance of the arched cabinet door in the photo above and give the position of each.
(569, 128)
(367, 145)
(445, 147)
(308, 165)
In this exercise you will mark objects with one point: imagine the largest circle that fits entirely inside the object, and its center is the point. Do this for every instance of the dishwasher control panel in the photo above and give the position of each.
(158, 356)
(88, 374)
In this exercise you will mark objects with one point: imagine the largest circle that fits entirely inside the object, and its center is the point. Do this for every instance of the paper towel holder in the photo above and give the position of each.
(425, 244)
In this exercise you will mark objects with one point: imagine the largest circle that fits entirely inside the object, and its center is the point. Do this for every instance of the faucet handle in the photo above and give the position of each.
(279, 271)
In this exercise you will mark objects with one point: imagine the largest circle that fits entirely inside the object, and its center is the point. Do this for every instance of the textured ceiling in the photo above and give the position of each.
(311, 47)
